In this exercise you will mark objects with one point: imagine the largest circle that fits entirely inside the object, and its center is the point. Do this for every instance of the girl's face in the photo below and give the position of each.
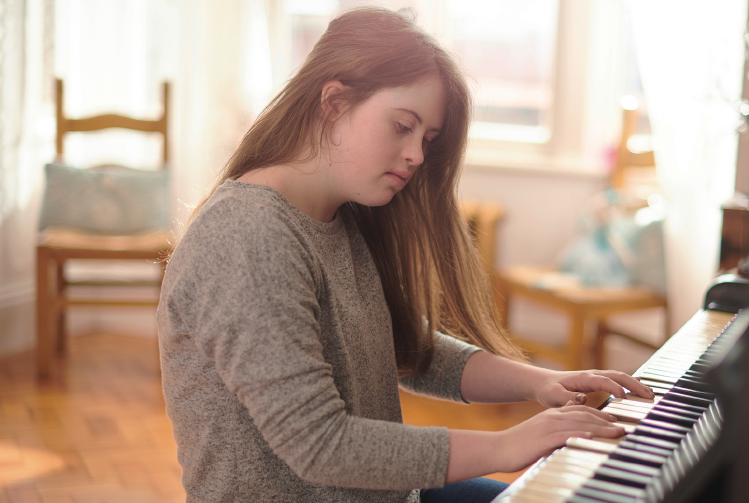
(377, 148)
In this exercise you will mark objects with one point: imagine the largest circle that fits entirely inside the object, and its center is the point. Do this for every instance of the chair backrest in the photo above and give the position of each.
(482, 220)
(634, 174)
(67, 125)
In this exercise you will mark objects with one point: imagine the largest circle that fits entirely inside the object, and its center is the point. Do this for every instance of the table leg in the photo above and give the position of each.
(599, 348)
(576, 342)
(44, 341)
(61, 336)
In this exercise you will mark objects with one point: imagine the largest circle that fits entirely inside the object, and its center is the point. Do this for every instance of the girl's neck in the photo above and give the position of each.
(302, 184)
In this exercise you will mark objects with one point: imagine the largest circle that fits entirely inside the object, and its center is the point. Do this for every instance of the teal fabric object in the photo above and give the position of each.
(108, 200)
(625, 251)
(643, 247)
(592, 259)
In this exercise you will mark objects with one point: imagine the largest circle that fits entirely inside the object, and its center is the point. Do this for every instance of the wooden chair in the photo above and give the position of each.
(55, 246)
(634, 175)
(483, 219)
(584, 305)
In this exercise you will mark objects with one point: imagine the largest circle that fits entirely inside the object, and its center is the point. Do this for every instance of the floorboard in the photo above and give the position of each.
(97, 430)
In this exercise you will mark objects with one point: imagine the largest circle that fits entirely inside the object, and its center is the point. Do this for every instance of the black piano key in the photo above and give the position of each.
(692, 400)
(697, 409)
(660, 433)
(638, 456)
(679, 409)
(621, 477)
(693, 392)
(655, 442)
(678, 419)
(691, 383)
(701, 367)
(606, 496)
(687, 414)
(643, 446)
(665, 426)
(611, 487)
(583, 499)
(638, 468)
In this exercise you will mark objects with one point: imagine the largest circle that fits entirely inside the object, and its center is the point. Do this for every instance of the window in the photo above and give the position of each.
(545, 73)
(508, 47)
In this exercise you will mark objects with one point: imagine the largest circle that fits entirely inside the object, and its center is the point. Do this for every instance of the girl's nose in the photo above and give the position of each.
(414, 153)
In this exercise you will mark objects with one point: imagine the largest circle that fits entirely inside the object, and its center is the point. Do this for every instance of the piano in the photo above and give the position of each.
(676, 444)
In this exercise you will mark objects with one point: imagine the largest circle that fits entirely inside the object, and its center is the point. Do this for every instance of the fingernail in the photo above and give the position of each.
(612, 418)
(581, 398)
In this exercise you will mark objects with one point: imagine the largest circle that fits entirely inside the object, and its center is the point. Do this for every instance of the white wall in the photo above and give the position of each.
(543, 208)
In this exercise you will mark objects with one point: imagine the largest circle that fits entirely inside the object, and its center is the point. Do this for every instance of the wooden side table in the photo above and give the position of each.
(581, 304)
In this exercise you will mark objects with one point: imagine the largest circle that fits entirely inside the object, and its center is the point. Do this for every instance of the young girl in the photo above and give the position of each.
(324, 271)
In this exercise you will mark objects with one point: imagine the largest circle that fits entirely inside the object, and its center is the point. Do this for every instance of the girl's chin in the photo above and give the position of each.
(375, 200)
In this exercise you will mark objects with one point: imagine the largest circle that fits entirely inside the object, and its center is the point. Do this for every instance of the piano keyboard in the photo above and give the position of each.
(664, 436)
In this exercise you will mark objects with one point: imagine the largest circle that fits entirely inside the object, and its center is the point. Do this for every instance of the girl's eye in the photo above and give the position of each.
(403, 129)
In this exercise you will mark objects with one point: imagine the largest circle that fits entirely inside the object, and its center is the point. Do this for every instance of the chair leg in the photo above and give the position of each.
(599, 349)
(576, 342)
(502, 300)
(44, 308)
(61, 311)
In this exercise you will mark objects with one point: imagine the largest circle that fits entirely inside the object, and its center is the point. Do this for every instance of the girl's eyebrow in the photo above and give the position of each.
(418, 119)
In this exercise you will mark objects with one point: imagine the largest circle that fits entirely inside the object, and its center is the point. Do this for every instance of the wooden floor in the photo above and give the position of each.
(97, 432)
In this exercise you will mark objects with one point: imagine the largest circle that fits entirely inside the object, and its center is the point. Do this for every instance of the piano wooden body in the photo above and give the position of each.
(673, 446)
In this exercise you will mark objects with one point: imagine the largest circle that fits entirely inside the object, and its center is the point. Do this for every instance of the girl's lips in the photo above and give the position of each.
(397, 179)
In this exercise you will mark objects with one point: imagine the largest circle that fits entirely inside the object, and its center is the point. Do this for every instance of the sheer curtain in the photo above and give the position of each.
(26, 141)
(691, 54)
(113, 56)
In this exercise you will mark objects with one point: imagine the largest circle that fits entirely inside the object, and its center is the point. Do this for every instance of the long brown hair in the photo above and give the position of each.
(429, 268)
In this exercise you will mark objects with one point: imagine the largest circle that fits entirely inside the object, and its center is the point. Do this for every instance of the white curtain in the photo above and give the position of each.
(26, 141)
(204, 48)
(690, 55)
(113, 57)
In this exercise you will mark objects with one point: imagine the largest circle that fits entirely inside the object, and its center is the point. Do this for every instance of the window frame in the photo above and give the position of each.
(582, 123)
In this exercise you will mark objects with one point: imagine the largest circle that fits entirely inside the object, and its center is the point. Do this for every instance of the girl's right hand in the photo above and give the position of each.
(528, 441)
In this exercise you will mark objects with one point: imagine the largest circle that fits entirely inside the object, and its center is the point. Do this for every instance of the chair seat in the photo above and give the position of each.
(539, 282)
(582, 304)
(74, 243)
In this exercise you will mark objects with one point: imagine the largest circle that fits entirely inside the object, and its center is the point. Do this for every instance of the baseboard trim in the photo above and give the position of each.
(18, 292)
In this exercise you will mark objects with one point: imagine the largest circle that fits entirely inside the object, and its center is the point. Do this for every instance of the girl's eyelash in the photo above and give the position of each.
(404, 129)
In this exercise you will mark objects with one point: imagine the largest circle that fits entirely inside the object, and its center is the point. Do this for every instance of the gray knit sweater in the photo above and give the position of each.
(278, 363)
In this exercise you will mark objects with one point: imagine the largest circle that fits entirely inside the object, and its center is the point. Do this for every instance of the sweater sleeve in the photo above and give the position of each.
(248, 298)
(442, 378)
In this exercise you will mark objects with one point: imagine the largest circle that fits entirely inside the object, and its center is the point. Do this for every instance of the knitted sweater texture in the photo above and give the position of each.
(278, 363)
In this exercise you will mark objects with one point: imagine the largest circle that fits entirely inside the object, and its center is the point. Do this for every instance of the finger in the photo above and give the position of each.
(576, 398)
(607, 431)
(631, 383)
(586, 415)
(598, 381)
(569, 402)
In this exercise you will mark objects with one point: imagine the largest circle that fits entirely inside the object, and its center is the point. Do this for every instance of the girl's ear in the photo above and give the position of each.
(331, 107)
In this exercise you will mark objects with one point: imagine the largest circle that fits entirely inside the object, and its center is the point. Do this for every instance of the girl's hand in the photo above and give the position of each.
(559, 388)
(526, 442)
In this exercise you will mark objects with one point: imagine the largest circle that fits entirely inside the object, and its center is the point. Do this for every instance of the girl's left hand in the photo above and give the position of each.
(559, 388)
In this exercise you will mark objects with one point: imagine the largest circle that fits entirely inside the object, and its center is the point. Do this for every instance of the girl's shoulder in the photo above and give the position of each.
(257, 220)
